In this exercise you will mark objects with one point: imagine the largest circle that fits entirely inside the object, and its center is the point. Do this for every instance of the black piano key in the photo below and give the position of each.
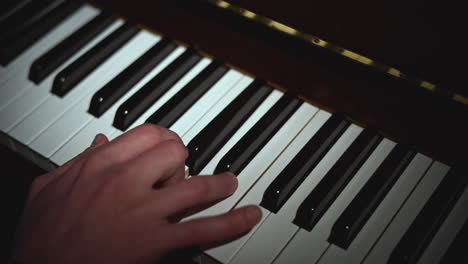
(85, 64)
(416, 239)
(124, 81)
(255, 139)
(131, 109)
(289, 179)
(210, 140)
(25, 15)
(370, 196)
(15, 44)
(330, 187)
(50, 61)
(187, 96)
(456, 253)
(9, 7)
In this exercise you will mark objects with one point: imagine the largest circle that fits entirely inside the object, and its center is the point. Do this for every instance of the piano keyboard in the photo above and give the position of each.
(331, 191)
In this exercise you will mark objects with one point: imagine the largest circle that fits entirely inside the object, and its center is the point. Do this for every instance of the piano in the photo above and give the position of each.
(351, 160)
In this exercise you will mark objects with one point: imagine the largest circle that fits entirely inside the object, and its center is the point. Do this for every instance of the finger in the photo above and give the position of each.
(98, 141)
(164, 161)
(131, 144)
(45, 179)
(181, 175)
(194, 192)
(209, 231)
(177, 217)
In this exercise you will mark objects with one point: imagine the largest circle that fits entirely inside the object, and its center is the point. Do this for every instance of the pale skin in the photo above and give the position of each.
(121, 202)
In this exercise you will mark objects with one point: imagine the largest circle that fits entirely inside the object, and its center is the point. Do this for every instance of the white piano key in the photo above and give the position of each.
(278, 229)
(14, 77)
(59, 133)
(226, 252)
(76, 114)
(216, 109)
(54, 107)
(269, 101)
(447, 232)
(394, 232)
(92, 126)
(249, 123)
(33, 96)
(207, 101)
(382, 215)
(307, 247)
(198, 110)
(80, 141)
(264, 158)
(166, 96)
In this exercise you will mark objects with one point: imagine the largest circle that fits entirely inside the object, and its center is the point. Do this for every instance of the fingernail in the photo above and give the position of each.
(254, 214)
(234, 182)
(99, 138)
(186, 152)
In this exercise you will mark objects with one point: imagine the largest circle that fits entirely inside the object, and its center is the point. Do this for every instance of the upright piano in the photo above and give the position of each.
(345, 122)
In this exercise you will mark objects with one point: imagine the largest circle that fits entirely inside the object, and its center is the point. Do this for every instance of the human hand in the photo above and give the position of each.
(117, 201)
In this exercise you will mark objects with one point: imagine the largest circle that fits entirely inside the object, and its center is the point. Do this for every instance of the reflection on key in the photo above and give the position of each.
(252, 142)
(305, 161)
(50, 61)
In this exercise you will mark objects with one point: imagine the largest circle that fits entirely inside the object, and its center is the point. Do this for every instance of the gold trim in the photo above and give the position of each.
(460, 99)
(324, 44)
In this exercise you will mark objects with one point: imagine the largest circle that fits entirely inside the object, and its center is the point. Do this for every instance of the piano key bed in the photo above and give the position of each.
(331, 191)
